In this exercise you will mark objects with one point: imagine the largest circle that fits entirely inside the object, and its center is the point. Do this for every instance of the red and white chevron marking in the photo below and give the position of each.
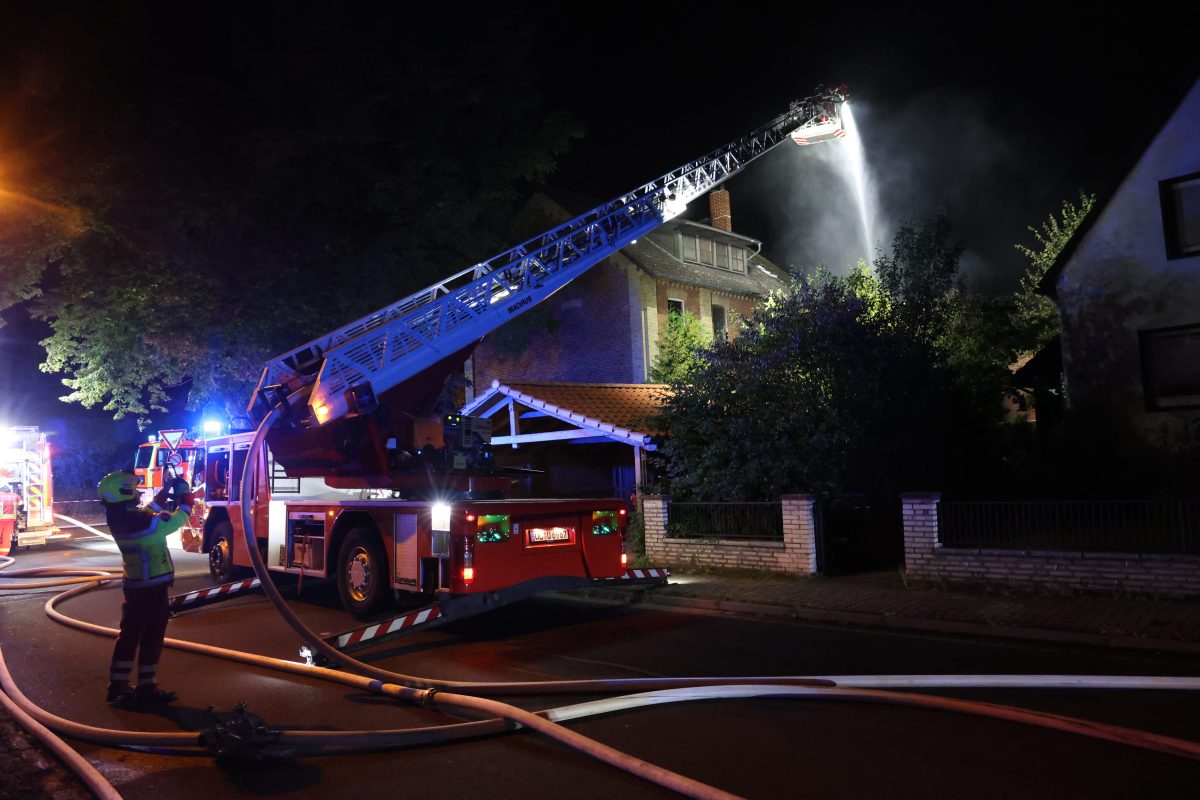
(206, 594)
(384, 628)
(652, 572)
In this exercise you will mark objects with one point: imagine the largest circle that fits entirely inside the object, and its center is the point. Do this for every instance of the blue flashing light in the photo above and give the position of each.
(212, 427)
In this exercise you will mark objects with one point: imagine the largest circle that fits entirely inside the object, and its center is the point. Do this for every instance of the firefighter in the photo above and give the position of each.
(141, 536)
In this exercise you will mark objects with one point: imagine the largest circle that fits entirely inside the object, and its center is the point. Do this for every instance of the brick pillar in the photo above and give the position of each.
(718, 209)
(800, 530)
(654, 514)
(920, 531)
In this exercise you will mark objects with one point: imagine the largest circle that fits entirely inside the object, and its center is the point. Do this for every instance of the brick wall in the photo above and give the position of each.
(594, 341)
(926, 559)
(795, 555)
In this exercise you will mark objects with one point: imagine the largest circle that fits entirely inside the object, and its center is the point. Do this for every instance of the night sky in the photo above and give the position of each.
(996, 119)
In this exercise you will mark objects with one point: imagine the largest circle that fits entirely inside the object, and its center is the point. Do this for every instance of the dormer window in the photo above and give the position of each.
(689, 248)
(711, 253)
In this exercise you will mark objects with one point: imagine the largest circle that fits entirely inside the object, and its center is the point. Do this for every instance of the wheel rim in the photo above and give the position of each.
(358, 574)
(216, 557)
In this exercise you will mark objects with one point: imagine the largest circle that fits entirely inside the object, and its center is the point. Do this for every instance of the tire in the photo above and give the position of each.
(362, 573)
(220, 554)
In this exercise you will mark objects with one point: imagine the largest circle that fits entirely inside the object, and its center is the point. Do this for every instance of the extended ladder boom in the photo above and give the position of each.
(350, 366)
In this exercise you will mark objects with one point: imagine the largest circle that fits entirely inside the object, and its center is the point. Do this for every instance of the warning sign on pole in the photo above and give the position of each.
(172, 438)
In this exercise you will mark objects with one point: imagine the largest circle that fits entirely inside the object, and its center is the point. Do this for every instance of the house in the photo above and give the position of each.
(604, 326)
(565, 383)
(1127, 288)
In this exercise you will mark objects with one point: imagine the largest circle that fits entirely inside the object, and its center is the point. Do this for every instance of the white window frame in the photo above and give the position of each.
(737, 259)
(722, 255)
(685, 241)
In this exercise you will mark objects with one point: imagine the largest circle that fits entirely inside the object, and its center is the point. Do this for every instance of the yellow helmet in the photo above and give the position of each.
(118, 487)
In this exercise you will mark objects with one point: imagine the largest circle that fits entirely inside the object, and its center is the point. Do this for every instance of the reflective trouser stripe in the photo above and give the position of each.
(120, 670)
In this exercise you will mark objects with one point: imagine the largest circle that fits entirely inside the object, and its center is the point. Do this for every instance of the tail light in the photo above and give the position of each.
(468, 569)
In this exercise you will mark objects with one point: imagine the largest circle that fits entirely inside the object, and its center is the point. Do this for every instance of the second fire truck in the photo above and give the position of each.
(26, 489)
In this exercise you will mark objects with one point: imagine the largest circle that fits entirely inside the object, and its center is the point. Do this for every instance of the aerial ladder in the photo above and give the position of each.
(332, 386)
(377, 508)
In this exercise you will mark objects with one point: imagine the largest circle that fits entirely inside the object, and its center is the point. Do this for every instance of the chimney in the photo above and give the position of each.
(718, 209)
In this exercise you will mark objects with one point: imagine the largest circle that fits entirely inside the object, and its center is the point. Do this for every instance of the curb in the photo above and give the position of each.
(643, 596)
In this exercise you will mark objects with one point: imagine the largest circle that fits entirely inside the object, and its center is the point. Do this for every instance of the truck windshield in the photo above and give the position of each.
(141, 458)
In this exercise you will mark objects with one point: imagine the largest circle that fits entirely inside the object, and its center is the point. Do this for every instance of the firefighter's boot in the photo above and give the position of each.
(153, 696)
(118, 693)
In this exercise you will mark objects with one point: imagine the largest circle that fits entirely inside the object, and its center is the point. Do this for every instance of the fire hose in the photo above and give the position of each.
(833, 687)
(436, 693)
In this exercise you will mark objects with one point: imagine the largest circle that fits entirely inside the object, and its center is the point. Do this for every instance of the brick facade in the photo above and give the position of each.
(594, 342)
(795, 555)
(926, 559)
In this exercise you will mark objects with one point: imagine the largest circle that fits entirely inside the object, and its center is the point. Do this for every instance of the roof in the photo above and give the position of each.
(617, 411)
(1158, 120)
(655, 255)
(657, 259)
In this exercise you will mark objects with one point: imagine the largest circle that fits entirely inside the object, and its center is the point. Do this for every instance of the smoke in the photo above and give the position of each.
(943, 150)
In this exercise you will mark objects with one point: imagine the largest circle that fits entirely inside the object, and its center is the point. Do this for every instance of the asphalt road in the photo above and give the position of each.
(755, 748)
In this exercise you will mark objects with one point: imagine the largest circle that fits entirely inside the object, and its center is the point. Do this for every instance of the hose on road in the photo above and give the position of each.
(453, 695)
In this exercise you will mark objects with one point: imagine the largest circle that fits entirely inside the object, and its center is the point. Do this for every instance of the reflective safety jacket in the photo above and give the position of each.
(141, 536)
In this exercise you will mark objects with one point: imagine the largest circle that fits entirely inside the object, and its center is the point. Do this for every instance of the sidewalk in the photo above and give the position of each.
(882, 599)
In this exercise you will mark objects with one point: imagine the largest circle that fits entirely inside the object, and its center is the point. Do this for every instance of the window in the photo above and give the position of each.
(737, 259)
(689, 248)
(706, 251)
(720, 332)
(722, 255)
(674, 306)
(1180, 199)
(1171, 367)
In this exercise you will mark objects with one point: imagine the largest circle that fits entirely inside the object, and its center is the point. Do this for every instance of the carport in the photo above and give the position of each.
(550, 417)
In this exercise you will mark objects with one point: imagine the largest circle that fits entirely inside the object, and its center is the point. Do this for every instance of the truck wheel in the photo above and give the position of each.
(362, 574)
(220, 555)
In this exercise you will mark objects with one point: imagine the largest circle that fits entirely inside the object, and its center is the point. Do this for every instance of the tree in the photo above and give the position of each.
(921, 275)
(180, 222)
(819, 393)
(870, 382)
(1034, 317)
(678, 344)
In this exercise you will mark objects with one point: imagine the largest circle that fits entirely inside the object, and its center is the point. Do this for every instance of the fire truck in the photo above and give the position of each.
(357, 481)
(26, 489)
(156, 463)
(156, 459)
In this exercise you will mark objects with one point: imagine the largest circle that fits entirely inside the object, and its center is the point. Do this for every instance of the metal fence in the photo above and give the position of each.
(751, 521)
(1119, 526)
